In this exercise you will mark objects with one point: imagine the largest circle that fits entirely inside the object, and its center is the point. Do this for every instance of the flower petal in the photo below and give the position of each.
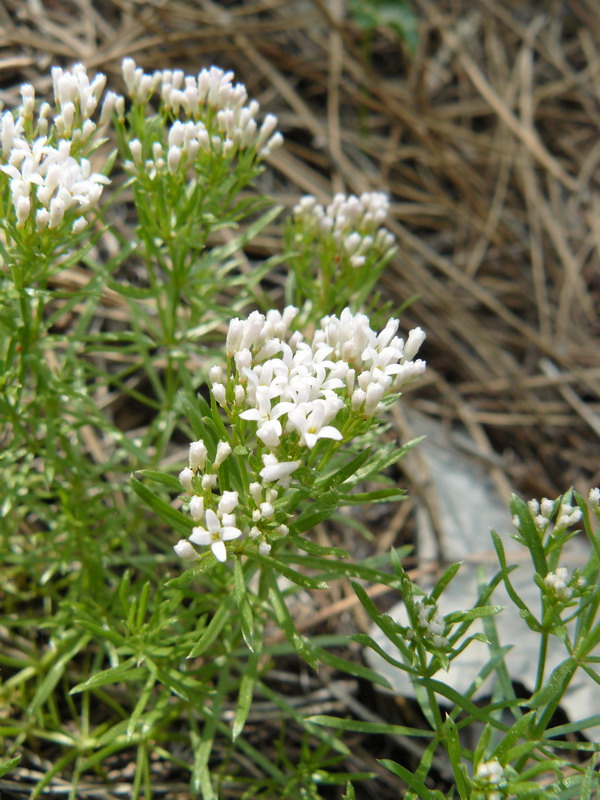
(200, 535)
(228, 533)
(219, 551)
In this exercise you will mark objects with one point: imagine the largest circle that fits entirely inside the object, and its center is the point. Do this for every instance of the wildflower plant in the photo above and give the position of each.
(156, 604)
(337, 253)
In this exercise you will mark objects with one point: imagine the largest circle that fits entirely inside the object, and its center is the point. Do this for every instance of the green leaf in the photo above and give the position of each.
(243, 603)
(315, 549)
(65, 652)
(473, 613)
(556, 685)
(453, 747)
(204, 563)
(350, 668)
(300, 644)
(121, 674)
(360, 726)
(289, 573)
(246, 694)
(385, 457)
(444, 581)
(6, 766)
(195, 409)
(164, 478)
(182, 523)
(414, 783)
(530, 534)
(221, 616)
(376, 496)
(310, 518)
(339, 476)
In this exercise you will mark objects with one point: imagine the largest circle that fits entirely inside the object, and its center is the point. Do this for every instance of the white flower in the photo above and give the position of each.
(557, 583)
(223, 450)
(197, 507)
(185, 479)
(266, 510)
(594, 497)
(185, 550)
(208, 482)
(431, 623)
(546, 507)
(198, 453)
(227, 503)
(216, 374)
(309, 418)
(276, 471)
(219, 393)
(270, 433)
(489, 775)
(215, 534)
(568, 515)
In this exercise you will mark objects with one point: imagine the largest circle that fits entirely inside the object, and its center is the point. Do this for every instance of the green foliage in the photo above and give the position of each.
(112, 650)
(396, 15)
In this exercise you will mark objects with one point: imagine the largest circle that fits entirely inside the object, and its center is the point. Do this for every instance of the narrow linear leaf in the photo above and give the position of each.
(182, 523)
(245, 695)
(288, 572)
(360, 726)
(214, 628)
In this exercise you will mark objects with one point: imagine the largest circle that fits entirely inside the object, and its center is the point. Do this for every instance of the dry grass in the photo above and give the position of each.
(487, 141)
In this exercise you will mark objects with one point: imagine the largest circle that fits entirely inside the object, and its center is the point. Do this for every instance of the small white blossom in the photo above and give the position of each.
(218, 392)
(489, 777)
(185, 479)
(227, 503)
(185, 550)
(275, 471)
(223, 450)
(215, 534)
(216, 374)
(198, 453)
(309, 420)
(546, 507)
(431, 623)
(594, 497)
(197, 507)
(266, 510)
(208, 482)
(568, 515)
(557, 583)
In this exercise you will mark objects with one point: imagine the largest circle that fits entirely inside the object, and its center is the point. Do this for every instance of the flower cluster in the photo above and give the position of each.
(543, 511)
(557, 584)
(353, 223)
(490, 778)
(284, 396)
(430, 624)
(346, 364)
(50, 180)
(216, 119)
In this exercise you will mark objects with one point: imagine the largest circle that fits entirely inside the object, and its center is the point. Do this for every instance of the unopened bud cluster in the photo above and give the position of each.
(558, 585)
(285, 395)
(543, 511)
(490, 779)
(430, 625)
(352, 223)
(42, 153)
(213, 509)
(216, 119)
